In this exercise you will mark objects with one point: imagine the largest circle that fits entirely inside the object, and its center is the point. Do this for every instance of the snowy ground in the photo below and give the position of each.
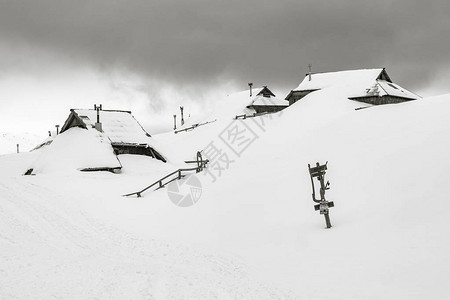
(254, 233)
(9, 141)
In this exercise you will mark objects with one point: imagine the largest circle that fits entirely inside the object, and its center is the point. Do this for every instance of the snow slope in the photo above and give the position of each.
(9, 141)
(254, 233)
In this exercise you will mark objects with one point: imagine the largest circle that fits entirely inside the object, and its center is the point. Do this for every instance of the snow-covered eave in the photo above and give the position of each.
(265, 105)
(322, 80)
(100, 169)
(381, 96)
(296, 91)
(130, 144)
(156, 154)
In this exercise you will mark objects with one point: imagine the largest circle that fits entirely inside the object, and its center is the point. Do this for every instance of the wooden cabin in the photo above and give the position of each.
(126, 134)
(264, 101)
(372, 86)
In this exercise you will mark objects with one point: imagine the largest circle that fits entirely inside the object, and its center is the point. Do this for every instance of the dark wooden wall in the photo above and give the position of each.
(267, 109)
(137, 149)
(376, 100)
(297, 95)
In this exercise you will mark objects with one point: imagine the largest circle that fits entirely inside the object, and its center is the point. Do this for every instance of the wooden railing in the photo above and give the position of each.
(201, 164)
(244, 116)
(194, 126)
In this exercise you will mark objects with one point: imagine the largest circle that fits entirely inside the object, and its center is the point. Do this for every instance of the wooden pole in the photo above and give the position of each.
(327, 220)
(182, 117)
(309, 73)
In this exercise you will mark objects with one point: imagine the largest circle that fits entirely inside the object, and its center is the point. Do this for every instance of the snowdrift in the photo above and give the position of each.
(26, 141)
(77, 149)
(387, 167)
(255, 224)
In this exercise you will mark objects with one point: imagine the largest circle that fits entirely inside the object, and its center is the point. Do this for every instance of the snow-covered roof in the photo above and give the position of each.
(68, 152)
(268, 101)
(257, 97)
(390, 88)
(241, 103)
(118, 126)
(356, 83)
(318, 81)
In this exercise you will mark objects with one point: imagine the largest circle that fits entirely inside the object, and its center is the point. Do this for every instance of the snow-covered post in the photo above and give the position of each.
(199, 161)
(319, 172)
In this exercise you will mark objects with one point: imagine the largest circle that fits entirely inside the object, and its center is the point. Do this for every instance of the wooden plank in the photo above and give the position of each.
(318, 169)
(330, 204)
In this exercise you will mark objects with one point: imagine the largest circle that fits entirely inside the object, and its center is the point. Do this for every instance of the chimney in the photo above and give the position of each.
(174, 122)
(49, 133)
(57, 129)
(250, 85)
(182, 118)
(17, 148)
(98, 125)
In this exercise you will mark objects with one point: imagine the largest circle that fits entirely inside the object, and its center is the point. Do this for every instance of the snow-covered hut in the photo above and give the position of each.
(372, 86)
(127, 136)
(76, 149)
(264, 101)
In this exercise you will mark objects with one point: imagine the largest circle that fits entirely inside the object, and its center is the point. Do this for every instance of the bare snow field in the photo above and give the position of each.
(254, 233)
(9, 141)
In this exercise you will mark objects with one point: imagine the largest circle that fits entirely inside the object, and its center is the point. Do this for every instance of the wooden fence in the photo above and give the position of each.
(201, 164)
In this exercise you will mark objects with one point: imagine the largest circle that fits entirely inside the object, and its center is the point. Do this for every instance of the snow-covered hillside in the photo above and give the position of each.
(26, 141)
(254, 233)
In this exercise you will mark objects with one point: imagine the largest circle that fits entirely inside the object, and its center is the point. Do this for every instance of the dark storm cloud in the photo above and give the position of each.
(269, 42)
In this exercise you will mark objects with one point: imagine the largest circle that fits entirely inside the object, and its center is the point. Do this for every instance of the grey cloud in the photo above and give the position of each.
(268, 42)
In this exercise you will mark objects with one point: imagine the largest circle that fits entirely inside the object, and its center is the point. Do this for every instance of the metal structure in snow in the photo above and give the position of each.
(323, 205)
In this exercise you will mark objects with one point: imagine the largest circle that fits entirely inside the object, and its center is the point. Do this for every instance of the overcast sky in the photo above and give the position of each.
(152, 56)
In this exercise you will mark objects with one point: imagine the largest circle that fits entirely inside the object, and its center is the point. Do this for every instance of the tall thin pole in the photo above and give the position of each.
(182, 117)
(174, 122)
(309, 73)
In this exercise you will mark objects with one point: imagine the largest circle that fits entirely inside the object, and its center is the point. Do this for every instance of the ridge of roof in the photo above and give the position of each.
(361, 77)
(107, 110)
(352, 70)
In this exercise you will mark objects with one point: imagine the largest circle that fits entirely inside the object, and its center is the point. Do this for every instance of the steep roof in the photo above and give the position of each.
(241, 102)
(118, 126)
(260, 96)
(357, 83)
(390, 88)
(329, 79)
